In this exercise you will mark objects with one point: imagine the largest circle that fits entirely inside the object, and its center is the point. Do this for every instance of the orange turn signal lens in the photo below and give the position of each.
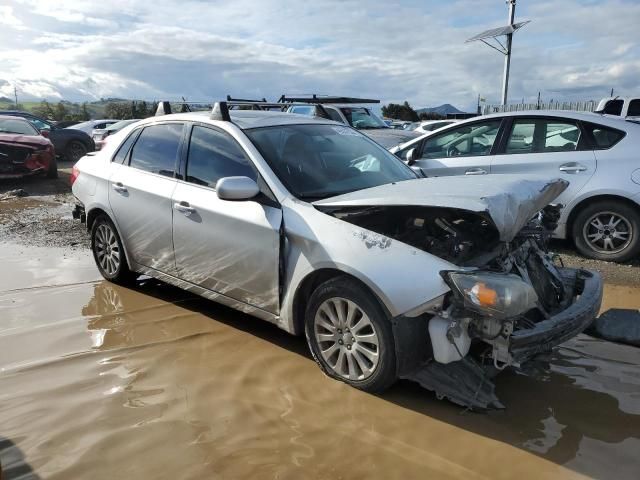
(485, 296)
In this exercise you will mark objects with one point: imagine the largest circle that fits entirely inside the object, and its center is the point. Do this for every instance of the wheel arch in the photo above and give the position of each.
(94, 213)
(590, 201)
(310, 282)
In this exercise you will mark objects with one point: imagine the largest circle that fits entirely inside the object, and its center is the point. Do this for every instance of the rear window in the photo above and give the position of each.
(156, 150)
(614, 107)
(604, 137)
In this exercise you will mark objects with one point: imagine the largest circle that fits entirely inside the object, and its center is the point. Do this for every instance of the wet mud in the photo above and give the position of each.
(100, 381)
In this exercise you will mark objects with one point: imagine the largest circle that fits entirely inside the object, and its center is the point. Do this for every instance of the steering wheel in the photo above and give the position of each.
(453, 151)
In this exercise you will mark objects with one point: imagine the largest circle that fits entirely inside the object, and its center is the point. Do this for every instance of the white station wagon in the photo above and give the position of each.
(310, 225)
(597, 155)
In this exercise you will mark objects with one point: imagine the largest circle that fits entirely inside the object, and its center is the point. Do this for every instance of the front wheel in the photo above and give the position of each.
(108, 252)
(608, 230)
(350, 336)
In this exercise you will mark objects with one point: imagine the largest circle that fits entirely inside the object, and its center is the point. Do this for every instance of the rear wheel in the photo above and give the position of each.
(350, 336)
(608, 230)
(108, 252)
(75, 150)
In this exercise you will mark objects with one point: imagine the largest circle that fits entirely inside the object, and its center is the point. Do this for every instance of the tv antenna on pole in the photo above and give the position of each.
(487, 36)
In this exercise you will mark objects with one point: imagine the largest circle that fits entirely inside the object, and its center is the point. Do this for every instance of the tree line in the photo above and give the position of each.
(80, 112)
(406, 113)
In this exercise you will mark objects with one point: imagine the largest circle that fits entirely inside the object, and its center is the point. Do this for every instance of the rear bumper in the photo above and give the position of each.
(587, 287)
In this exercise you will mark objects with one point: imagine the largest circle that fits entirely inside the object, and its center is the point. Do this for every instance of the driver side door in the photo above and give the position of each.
(463, 150)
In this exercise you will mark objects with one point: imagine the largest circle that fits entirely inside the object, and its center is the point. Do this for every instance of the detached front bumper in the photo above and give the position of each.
(586, 286)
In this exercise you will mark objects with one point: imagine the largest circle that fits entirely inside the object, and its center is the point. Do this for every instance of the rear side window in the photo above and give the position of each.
(214, 155)
(156, 150)
(543, 135)
(634, 108)
(603, 137)
(121, 155)
(334, 115)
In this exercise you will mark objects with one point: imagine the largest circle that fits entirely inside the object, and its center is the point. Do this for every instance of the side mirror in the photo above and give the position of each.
(412, 156)
(44, 133)
(236, 188)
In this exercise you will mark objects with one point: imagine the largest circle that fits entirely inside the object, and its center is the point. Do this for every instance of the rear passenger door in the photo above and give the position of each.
(546, 147)
(140, 194)
(463, 150)
(230, 247)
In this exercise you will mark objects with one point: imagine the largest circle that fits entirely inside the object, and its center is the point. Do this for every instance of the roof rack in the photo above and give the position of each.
(320, 99)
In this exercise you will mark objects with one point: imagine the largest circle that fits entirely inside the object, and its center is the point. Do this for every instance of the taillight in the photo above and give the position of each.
(75, 173)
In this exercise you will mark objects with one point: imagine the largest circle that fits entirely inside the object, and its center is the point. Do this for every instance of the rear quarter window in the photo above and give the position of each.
(603, 137)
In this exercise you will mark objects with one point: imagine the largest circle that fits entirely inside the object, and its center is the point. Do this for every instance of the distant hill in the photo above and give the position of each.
(445, 109)
(5, 99)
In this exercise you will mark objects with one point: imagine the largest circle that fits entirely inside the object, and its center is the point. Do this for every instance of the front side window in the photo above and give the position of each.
(543, 135)
(465, 141)
(334, 115)
(14, 125)
(156, 149)
(320, 161)
(214, 155)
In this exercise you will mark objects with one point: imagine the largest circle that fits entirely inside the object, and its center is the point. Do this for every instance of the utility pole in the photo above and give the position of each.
(488, 36)
(15, 94)
(507, 56)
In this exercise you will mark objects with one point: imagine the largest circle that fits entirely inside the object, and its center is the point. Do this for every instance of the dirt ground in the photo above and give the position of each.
(100, 381)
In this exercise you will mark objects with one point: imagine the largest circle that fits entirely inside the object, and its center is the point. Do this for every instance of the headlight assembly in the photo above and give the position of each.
(491, 294)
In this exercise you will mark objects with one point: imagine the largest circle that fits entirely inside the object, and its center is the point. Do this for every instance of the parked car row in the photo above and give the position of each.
(69, 143)
(308, 223)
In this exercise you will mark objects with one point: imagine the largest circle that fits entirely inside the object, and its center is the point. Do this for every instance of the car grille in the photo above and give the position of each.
(12, 156)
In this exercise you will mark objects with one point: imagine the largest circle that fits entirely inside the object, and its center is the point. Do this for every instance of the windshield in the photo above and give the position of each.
(362, 118)
(320, 161)
(13, 125)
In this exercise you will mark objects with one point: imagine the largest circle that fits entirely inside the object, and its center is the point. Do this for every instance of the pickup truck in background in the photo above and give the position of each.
(628, 107)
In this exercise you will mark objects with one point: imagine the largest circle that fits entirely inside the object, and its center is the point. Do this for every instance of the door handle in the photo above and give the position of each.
(119, 187)
(572, 168)
(475, 171)
(184, 207)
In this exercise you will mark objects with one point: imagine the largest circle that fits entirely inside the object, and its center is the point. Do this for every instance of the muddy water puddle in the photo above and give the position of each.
(99, 381)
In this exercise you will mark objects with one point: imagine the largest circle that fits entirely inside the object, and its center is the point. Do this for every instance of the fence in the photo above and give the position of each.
(582, 106)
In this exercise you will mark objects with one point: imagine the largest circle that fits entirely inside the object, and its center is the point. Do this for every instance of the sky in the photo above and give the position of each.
(411, 50)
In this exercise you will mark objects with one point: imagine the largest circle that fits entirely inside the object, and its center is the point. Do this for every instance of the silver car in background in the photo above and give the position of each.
(310, 225)
(598, 155)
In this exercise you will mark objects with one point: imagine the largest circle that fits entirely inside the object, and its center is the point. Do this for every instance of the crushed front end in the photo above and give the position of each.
(518, 303)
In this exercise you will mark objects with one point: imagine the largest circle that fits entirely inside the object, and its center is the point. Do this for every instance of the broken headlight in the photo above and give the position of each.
(492, 294)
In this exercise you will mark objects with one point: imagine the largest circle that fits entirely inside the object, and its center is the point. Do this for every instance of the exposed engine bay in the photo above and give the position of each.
(504, 292)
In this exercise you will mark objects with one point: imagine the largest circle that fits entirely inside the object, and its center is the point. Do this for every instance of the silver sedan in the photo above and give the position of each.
(310, 225)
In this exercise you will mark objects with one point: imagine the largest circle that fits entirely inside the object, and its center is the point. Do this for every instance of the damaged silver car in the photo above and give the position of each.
(309, 224)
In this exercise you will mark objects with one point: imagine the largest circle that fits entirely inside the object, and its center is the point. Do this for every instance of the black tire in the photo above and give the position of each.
(53, 169)
(584, 229)
(75, 150)
(120, 274)
(343, 288)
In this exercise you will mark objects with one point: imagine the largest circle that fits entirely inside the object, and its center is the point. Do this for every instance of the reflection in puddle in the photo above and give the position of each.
(101, 381)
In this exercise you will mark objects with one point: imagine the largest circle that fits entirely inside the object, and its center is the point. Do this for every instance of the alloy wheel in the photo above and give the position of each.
(347, 339)
(608, 232)
(107, 249)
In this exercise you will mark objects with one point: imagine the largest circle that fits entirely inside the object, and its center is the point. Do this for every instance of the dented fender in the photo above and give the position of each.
(403, 277)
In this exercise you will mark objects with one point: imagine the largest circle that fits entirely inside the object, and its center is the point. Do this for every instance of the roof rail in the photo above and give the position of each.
(320, 99)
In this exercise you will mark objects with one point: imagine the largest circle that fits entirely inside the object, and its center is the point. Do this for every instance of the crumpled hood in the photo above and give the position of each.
(36, 141)
(509, 201)
(390, 137)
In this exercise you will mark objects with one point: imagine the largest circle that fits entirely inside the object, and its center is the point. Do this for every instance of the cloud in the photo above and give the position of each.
(411, 50)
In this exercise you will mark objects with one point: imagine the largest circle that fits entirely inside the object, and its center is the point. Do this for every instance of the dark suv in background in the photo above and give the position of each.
(68, 143)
